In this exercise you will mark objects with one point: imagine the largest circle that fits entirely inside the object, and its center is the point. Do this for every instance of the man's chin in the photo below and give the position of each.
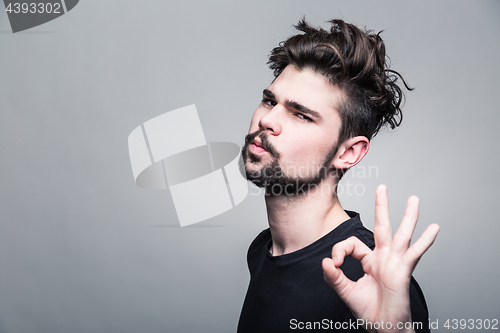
(283, 185)
(259, 166)
(254, 175)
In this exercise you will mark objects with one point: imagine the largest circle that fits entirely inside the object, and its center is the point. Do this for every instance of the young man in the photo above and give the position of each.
(332, 93)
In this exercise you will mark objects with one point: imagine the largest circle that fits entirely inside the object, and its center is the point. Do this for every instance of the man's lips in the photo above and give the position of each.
(256, 147)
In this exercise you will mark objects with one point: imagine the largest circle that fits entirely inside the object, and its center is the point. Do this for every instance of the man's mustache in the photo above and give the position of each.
(265, 142)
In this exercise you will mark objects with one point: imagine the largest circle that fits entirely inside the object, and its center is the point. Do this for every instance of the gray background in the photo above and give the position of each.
(83, 249)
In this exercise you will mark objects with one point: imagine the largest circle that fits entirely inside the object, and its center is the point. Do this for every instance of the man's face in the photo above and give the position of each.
(293, 134)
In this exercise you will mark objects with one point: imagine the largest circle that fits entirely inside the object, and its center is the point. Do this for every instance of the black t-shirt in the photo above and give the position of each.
(288, 293)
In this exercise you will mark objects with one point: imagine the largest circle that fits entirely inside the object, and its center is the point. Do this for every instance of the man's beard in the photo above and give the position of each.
(273, 178)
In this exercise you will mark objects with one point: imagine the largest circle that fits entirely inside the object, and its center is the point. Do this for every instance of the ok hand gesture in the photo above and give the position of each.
(382, 294)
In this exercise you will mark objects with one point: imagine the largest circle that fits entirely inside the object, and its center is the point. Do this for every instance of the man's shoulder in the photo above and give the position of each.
(259, 244)
(349, 228)
(263, 238)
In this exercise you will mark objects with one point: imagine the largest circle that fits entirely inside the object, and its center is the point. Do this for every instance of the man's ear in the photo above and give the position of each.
(351, 152)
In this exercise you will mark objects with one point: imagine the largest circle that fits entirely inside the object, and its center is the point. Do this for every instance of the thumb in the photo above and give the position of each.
(336, 278)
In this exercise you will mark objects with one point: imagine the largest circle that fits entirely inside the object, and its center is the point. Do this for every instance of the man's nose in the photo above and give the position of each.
(271, 122)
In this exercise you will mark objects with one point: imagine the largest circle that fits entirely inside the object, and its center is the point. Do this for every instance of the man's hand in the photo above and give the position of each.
(382, 294)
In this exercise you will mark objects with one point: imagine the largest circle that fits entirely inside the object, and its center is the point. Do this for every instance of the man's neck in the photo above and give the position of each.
(296, 222)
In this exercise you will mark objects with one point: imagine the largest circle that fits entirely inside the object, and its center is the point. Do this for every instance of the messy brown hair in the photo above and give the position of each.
(354, 60)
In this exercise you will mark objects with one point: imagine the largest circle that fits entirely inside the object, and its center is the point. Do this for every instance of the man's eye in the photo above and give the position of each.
(302, 117)
(269, 102)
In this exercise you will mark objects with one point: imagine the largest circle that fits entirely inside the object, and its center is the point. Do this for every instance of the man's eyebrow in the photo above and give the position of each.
(269, 94)
(292, 104)
(301, 108)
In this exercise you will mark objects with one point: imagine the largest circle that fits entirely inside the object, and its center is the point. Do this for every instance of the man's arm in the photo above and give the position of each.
(382, 294)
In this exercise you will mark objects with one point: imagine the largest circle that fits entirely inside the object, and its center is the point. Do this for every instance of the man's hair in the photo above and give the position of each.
(353, 60)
